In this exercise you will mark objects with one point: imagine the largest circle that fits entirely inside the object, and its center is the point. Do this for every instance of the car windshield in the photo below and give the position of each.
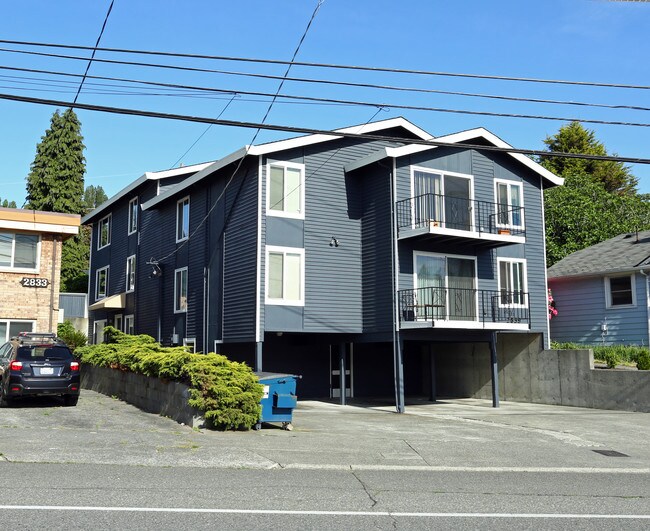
(43, 352)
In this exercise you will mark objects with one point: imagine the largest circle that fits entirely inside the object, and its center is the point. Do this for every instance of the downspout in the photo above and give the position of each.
(647, 301)
(547, 342)
(54, 258)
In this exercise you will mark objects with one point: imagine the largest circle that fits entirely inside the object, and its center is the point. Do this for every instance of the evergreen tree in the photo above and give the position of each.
(5, 203)
(93, 197)
(598, 200)
(56, 184)
(56, 180)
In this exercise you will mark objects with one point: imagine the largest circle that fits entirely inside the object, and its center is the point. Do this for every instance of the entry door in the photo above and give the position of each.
(458, 213)
(462, 292)
(428, 198)
(431, 297)
(335, 372)
(98, 331)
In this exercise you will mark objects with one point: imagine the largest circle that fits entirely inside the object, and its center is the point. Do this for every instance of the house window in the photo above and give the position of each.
(133, 215)
(104, 238)
(11, 328)
(285, 276)
(180, 290)
(19, 251)
(130, 273)
(183, 219)
(129, 325)
(101, 283)
(620, 291)
(98, 331)
(286, 189)
(117, 322)
(512, 282)
(510, 212)
(190, 342)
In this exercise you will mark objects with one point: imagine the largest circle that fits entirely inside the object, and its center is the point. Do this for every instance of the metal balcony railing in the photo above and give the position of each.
(435, 210)
(458, 304)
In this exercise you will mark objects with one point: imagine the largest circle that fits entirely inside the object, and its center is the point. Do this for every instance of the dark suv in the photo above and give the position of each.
(34, 364)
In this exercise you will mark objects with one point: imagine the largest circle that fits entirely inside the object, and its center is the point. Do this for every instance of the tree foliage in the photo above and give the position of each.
(93, 197)
(598, 200)
(5, 203)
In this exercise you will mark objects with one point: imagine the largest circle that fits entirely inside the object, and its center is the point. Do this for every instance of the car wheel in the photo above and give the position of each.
(70, 400)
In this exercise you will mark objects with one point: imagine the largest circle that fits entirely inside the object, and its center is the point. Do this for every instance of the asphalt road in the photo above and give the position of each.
(456, 465)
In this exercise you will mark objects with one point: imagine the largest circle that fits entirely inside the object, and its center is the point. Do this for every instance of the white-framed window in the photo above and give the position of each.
(117, 322)
(180, 290)
(101, 283)
(183, 219)
(133, 216)
(130, 273)
(191, 343)
(285, 189)
(98, 331)
(510, 203)
(12, 327)
(285, 276)
(104, 228)
(129, 325)
(20, 252)
(512, 282)
(620, 291)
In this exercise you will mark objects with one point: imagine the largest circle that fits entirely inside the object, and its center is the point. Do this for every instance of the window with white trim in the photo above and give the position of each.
(285, 189)
(117, 322)
(104, 228)
(512, 282)
(129, 327)
(10, 328)
(620, 291)
(285, 276)
(130, 273)
(19, 252)
(183, 219)
(180, 290)
(190, 342)
(510, 203)
(133, 215)
(101, 283)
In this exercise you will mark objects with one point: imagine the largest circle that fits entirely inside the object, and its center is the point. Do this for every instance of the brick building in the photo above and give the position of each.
(30, 267)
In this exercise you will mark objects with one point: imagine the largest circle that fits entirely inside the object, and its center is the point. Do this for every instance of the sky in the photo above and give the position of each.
(594, 41)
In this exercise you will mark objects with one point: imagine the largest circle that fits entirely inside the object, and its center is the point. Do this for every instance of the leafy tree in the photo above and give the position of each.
(574, 138)
(93, 197)
(5, 203)
(598, 200)
(56, 184)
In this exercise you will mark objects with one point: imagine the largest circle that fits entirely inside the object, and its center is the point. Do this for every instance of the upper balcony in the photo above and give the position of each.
(460, 219)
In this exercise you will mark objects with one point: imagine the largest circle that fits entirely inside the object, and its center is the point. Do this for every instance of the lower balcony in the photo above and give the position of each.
(463, 309)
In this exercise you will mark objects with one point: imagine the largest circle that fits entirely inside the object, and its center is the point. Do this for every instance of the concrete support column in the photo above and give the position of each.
(398, 347)
(258, 356)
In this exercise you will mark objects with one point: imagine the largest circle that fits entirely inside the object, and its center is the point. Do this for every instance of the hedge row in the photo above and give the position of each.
(613, 355)
(226, 392)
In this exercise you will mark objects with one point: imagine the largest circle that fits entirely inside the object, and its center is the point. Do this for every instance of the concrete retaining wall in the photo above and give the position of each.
(166, 398)
(529, 374)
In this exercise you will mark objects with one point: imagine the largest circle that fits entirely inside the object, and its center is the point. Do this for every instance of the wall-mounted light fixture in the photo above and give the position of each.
(334, 242)
(157, 271)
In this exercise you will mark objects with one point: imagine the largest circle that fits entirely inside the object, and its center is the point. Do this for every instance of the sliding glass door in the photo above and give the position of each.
(442, 200)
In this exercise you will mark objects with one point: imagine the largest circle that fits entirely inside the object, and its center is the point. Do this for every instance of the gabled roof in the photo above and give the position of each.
(291, 143)
(623, 253)
(456, 138)
(153, 175)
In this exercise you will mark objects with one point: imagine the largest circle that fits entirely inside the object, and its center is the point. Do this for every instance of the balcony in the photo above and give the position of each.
(459, 218)
(463, 309)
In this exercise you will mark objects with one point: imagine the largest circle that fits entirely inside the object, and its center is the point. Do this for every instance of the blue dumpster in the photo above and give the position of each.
(279, 398)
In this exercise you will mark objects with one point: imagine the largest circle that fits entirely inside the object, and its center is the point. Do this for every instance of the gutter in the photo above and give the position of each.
(647, 301)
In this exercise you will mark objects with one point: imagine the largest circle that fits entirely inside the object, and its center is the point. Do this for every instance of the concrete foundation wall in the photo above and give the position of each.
(165, 398)
(529, 374)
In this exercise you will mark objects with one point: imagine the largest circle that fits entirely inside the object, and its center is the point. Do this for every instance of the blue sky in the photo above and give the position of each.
(581, 40)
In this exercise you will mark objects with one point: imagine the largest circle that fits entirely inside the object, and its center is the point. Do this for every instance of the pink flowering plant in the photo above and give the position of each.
(552, 310)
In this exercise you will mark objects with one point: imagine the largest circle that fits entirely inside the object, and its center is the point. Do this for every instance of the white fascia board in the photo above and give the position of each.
(387, 124)
(39, 227)
(177, 171)
(368, 159)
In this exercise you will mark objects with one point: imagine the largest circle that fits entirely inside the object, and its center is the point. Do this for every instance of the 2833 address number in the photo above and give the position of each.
(28, 282)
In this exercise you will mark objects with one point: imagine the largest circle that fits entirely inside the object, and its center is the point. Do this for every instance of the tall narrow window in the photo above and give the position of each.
(285, 276)
(129, 327)
(133, 215)
(101, 284)
(512, 282)
(509, 204)
(130, 273)
(286, 189)
(180, 290)
(183, 219)
(104, 237)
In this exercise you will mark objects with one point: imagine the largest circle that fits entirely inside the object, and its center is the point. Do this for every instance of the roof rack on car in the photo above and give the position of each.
(37, 337)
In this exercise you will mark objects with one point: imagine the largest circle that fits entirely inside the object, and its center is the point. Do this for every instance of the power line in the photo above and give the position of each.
(331, 65)
(311, 131)
(355, 102)
(336, 83)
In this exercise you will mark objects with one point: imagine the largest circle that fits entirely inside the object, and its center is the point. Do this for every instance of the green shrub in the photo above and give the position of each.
(72, 337)
(643, 361)
(612, 358)
(227, 392)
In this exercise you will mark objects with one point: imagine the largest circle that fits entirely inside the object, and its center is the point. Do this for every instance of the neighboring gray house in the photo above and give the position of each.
(334, 254)
(601, 293)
